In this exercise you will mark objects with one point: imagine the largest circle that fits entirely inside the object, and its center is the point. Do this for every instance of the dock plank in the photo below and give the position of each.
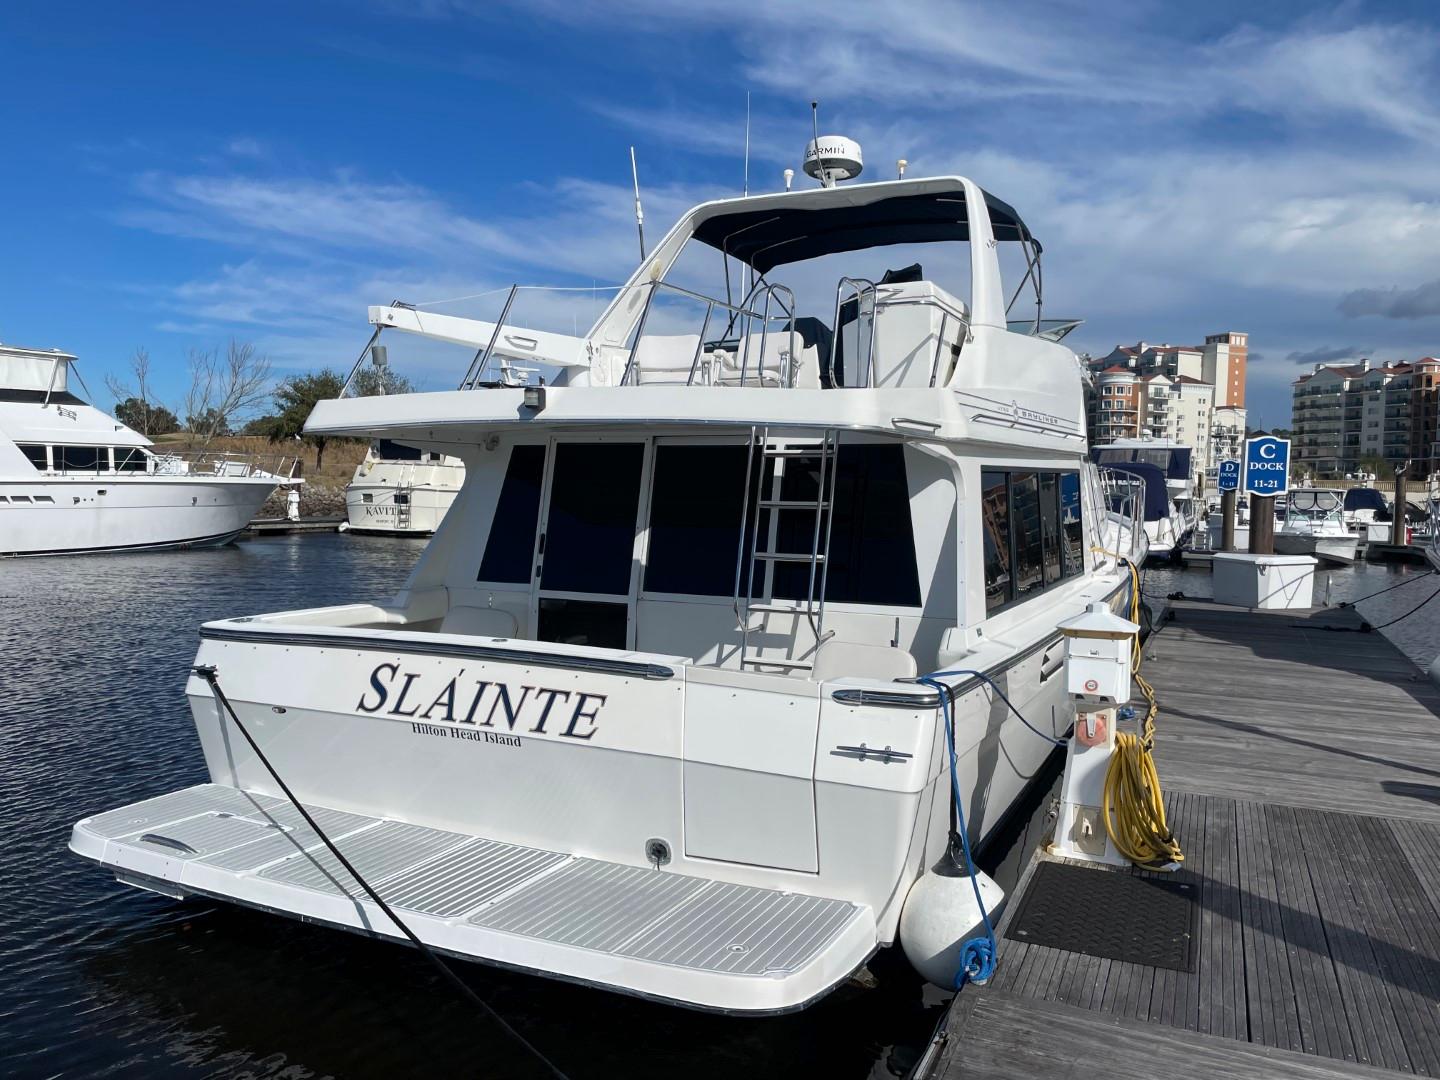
(1301, 764)
(1004, 1037)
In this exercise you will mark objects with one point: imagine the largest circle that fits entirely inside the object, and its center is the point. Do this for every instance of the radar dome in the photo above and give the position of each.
(833, 157)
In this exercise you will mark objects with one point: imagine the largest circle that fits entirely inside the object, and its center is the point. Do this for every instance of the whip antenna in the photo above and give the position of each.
(747, 143)
(815, 126)
(639, 213)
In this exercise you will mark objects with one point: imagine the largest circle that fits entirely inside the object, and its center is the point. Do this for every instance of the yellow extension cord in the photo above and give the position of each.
(1134, 804)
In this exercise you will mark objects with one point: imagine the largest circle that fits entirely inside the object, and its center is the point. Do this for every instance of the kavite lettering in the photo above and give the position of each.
(530, 707)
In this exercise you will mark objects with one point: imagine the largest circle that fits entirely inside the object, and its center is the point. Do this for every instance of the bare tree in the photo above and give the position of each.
(223, 389)
(138, 391)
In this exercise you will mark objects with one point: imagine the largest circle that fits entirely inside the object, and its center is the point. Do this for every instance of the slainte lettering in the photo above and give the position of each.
(458, 702)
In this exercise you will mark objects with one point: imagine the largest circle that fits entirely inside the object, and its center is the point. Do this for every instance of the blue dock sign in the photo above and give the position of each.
(1267, 466)
(1228, 478)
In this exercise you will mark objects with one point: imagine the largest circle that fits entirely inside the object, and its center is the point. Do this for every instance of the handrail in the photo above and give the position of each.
(860, 286)
(745, 313)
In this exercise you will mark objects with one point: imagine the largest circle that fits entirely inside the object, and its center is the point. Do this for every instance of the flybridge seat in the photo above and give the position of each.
(773, 358)
(689, 940)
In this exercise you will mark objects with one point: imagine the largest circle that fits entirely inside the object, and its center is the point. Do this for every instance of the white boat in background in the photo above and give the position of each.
(74, 480)
(1173, 508)
(646, 715)
(1367, 515)
(399, 490)
(1315, 525)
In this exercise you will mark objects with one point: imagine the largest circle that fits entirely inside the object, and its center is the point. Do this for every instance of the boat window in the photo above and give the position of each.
(583, 622)
(995, 521)
(1032, 522)
(872, 541)
(44, 499)
(394, 451)
(1073, 523)
(590, 530)
(130, 459)
(82, 458)
(1050, 525)
(36, 453)
(512, 534)
(1025, 528)
(695, 510)
(20, 498)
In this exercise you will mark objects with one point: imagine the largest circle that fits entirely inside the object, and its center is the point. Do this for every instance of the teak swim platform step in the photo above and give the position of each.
(1302, 769)
(639, 930)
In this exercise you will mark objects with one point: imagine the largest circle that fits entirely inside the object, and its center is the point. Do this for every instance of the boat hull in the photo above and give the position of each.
(1339, 550)
(74, 516)
(374, 509)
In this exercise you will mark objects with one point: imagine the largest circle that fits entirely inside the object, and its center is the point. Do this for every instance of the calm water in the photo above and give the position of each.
(97, 979)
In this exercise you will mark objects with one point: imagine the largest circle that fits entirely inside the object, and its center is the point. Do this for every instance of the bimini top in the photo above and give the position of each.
(1365, 499)
(35, 375)
(1174, 460)
(1157, 502)
(804, 225)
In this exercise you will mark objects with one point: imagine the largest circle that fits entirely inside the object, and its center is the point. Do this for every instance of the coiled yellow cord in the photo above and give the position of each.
(1134, 804)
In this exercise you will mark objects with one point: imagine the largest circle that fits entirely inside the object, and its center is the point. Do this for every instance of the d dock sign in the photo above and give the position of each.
(1267, 466)
(1228, 476)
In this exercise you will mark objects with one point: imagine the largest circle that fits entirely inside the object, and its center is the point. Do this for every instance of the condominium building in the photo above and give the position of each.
(1193, 394)
(1348, 418)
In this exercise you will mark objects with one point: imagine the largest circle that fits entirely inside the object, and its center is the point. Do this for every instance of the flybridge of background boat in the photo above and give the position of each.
(812, 300)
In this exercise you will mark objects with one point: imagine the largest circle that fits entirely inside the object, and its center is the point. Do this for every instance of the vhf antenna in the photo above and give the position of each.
(819, 161)
(639, 213)
(747, 143)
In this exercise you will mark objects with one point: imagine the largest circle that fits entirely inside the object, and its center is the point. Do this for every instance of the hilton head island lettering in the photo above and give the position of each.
(534, 710)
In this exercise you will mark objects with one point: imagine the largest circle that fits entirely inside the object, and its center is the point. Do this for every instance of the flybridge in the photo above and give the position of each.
(659, 329)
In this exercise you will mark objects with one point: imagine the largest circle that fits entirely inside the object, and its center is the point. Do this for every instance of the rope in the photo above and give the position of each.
(1134, 803)
(211, 676)
(1407, 614)
(1382, 592)
(977, 954)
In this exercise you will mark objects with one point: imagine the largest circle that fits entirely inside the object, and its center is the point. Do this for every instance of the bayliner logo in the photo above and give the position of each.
(536, 710)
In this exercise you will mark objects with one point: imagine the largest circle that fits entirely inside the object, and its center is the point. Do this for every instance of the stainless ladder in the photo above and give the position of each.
(774, 456)
(402, 506)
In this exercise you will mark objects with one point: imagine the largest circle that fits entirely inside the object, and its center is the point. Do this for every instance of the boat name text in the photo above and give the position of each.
(537, 710)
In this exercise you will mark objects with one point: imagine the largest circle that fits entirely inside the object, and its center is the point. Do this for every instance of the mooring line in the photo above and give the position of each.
(211, 676)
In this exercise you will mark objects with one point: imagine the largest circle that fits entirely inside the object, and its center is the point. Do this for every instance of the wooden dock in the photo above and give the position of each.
(282, 526)
(1301, 765)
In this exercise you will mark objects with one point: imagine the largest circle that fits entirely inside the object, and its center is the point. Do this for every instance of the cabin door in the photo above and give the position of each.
(587, 560)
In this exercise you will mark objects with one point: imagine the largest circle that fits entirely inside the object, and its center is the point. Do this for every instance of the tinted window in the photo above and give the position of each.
(582, 622)
(1050, 525)
(36, 454)
(995, 525)
(590, 535)
(394, 451)
(1072, 524)
(1025, 529)
(512, 534)
(82, 458)
(695, 510)
(872, 542)
(129, 459)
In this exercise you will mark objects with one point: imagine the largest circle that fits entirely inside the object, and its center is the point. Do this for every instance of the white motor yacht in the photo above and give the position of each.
(399, 490)
(75, 480)
(1367, 515)
(1315, 525)
(1172, 507)
(651, 712)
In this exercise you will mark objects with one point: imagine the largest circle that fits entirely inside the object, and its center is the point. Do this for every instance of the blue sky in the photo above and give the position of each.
(181, 174)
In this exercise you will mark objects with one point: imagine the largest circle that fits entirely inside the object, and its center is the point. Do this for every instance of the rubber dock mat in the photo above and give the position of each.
(1109, 914)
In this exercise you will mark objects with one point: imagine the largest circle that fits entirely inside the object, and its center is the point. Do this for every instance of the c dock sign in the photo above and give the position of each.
(1267, 466)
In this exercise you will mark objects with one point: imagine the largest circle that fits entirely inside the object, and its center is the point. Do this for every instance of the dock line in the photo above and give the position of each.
(209, 673)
